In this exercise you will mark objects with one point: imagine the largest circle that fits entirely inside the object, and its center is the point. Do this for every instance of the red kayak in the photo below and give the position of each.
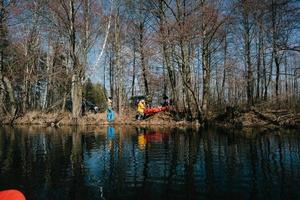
(11, 195)
(151, 111)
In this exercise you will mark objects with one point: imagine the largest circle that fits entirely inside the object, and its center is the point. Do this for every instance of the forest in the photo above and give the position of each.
(205, 55)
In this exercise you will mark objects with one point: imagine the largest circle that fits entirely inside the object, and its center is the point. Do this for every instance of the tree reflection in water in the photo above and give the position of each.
(149, 163)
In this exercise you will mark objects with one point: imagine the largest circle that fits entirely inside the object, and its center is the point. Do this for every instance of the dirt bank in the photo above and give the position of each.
(232, 118)
(65, 119)
(253, 117)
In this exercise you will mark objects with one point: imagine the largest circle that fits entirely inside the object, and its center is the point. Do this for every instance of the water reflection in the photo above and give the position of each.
(148, 136)
(149, 163)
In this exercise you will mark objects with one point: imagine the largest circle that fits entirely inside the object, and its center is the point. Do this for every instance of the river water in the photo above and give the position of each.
(149, 163)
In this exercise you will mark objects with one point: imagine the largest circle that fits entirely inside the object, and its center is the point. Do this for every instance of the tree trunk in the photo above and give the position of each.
(117, 49)
(111, 76)
(286, 81)
(26, 81)
(277, 64)
(2, 36)
(2, 88)
(270, 76)
(247, 43)
(166, 54)
(76, 88)
(49, 64)
(265, 91)
(25, 91)
(134, 68)
(205, 65)
(275, 46)
(260, 44)
(206, 80)
(76, 95)
(86, 14)
(224, 71)
(186, 77)
(171, 75)
(142, 56)
(11, 96)
(64, 102)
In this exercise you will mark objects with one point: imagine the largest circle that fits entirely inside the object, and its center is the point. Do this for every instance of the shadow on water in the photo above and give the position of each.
(126, 162)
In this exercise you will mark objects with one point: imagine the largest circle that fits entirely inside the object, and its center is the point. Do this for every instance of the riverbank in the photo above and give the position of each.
(65, 119)
(257, 118)
(233, 117)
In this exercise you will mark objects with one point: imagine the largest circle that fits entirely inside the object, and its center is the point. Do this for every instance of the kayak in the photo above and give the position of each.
(11, 195)
(151, 111)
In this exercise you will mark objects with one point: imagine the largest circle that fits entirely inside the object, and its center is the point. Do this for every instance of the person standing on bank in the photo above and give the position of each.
(110, 113)
(140, 109)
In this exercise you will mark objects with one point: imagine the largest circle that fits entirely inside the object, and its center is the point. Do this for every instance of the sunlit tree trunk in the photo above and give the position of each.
(87, 32)
(76, 88)
(117, 49)
(49, 64)
(111, 75)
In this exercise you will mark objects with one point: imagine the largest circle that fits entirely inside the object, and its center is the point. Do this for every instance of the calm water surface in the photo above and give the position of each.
(138, 163)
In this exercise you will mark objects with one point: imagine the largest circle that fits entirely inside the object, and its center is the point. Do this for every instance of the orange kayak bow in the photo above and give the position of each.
(11, 195)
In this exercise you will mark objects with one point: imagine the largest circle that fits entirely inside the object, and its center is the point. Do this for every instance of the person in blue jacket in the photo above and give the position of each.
(110, 112)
